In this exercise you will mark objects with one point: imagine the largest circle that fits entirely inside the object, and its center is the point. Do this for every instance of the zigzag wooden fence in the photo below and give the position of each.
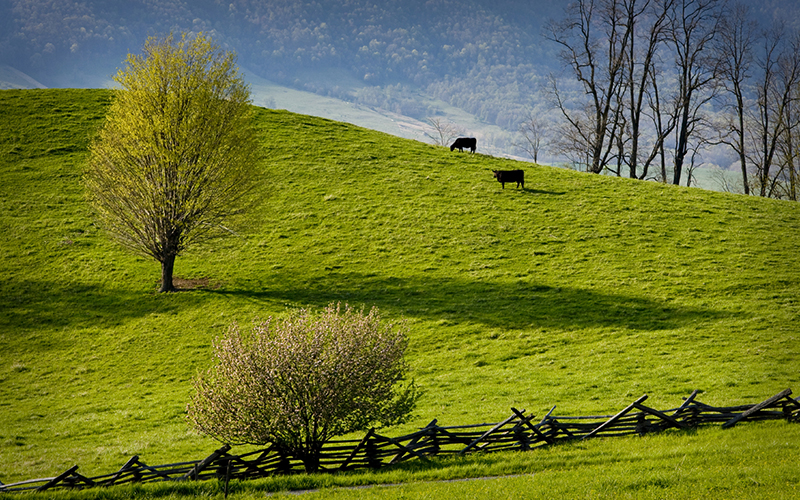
(517, 432)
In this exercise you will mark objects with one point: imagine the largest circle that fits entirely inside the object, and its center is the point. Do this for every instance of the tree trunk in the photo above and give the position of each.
(741, 133)
(167, 266)
(745, 182)
(791, 166)
(310, 458)
(682, 146)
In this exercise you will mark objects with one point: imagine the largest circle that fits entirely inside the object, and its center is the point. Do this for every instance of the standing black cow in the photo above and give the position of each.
(509, 176)
(465, 142)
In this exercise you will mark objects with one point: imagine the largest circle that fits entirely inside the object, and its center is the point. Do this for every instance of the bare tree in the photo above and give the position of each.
(569, 139)
(534, 134)
(663, 112)
(724, 182)
(700, 140)
(443, 132)
(615, 49)
(647, 21)
(734, 49)
(789, 152)
(593, 39)
(693, 26)
(776, 94)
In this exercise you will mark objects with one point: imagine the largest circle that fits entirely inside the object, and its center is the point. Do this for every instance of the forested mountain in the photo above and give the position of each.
(485, 57)
(488, 58)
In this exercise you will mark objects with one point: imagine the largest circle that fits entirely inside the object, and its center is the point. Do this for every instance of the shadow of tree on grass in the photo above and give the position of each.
(490, 302)
(31, 306)
(36, 304)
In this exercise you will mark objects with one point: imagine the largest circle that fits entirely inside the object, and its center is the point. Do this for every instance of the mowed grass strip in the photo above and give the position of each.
(579, 291)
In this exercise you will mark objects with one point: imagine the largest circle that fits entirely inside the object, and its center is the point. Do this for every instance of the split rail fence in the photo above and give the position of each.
(517, 432)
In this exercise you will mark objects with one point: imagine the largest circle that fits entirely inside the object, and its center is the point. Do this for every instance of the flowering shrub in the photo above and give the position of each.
(299, 382)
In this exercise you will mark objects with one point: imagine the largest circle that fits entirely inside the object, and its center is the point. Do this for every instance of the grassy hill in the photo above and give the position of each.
(579, 291)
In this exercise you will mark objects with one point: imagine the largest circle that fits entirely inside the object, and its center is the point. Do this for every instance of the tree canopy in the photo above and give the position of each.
(299, 382)
(174, 161)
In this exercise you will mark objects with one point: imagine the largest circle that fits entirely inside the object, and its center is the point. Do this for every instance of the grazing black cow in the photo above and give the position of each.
(510, 176)
(465, 142)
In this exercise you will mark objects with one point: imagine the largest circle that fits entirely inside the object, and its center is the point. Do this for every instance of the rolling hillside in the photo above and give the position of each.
(581, 291)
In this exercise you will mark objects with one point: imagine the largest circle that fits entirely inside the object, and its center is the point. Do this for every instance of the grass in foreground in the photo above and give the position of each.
(708, 463)
(580, 291)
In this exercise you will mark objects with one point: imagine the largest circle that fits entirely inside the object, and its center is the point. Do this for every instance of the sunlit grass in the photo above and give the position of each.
(709, 463)
(580, 291)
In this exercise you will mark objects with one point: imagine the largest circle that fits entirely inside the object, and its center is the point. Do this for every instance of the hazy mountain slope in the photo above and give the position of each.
(11, 78)
(414, 40)
(479, 56)
(418, 58)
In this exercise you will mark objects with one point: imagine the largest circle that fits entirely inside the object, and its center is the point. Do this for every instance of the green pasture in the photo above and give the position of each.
(579, 291)
(755, 461)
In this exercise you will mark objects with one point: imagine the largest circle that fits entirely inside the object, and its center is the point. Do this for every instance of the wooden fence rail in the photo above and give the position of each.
(517, 432)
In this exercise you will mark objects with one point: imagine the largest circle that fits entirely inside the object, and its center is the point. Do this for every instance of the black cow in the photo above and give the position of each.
(465, 142)
(510, 176)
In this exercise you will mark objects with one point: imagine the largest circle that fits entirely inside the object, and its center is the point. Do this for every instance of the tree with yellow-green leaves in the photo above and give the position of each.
(175, 161)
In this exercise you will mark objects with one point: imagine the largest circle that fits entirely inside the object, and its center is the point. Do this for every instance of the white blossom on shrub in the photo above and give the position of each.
(298, 382)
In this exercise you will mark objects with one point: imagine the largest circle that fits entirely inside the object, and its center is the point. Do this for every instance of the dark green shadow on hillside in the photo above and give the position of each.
(529, 190)
(540, 191)
(489, 302)
(28, 305)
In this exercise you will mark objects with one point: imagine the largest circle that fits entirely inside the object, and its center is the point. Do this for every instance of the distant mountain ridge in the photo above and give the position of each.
(480, 56)
(487, 58)
(11, 78)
